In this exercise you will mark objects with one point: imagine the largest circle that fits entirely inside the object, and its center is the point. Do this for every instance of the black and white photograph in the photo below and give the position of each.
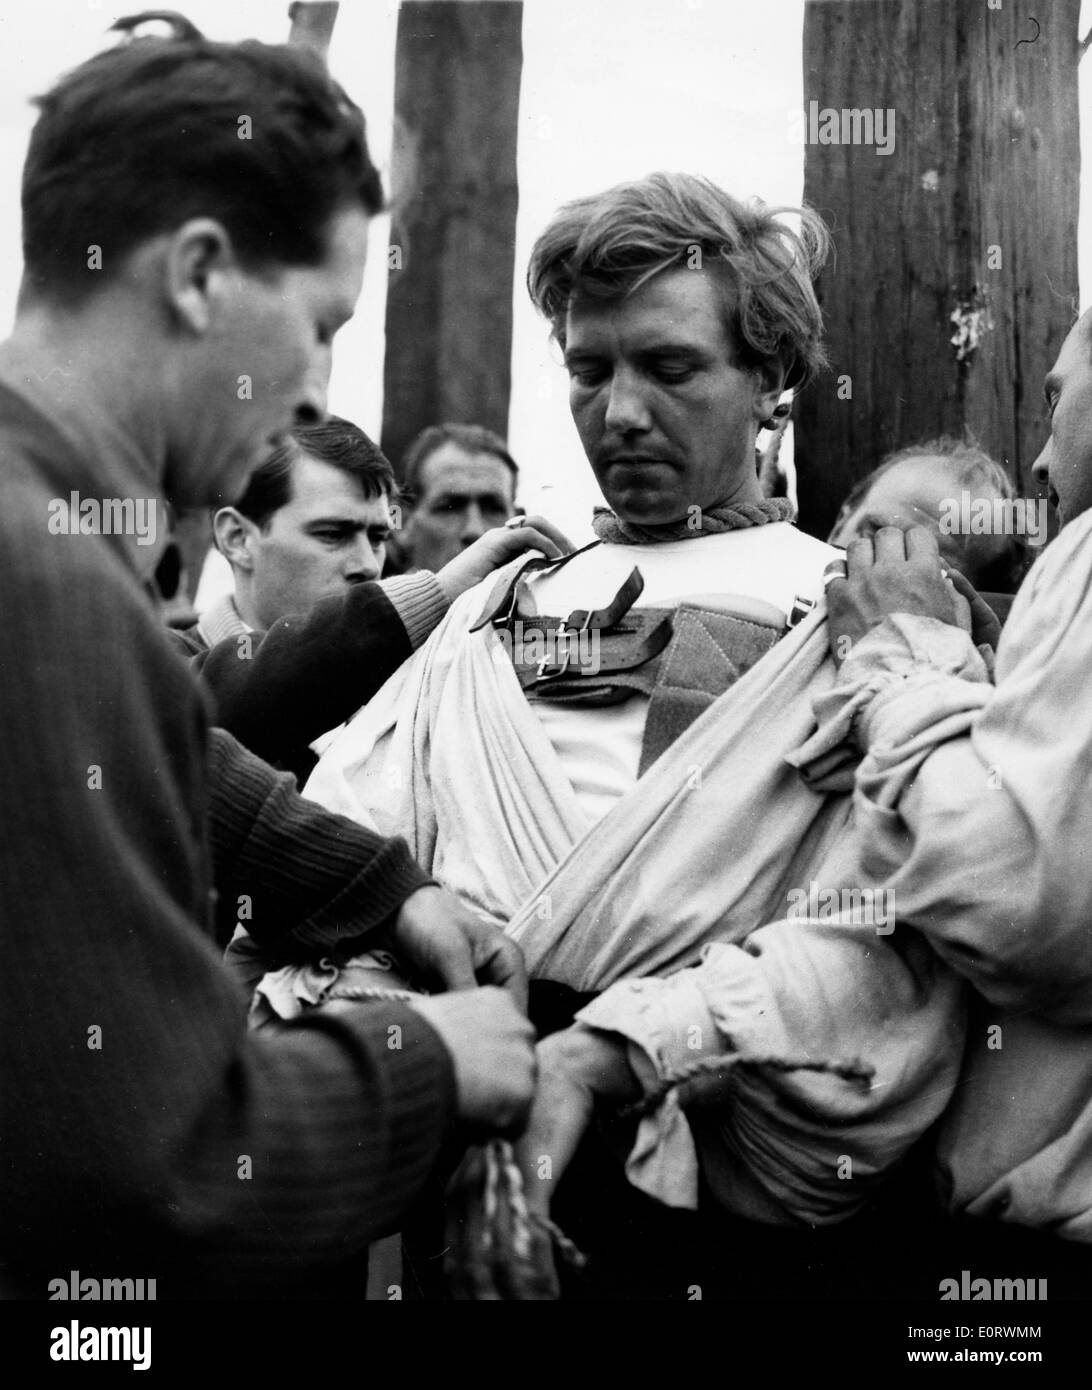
(545, 720)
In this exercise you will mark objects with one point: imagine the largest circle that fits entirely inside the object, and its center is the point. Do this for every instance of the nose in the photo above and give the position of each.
(473, 525)
(311, 407)
(362, 562)
(1040, 469)
(627, 411)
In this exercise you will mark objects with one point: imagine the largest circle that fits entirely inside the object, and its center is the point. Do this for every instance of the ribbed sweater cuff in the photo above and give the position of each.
(420, 1096)
(374, 896)
(419, 601)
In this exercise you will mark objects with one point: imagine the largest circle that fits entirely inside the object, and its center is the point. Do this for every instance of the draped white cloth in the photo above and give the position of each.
(974, 803)
(670, 887)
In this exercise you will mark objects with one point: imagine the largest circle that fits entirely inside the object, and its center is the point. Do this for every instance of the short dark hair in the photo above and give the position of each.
(336, 441)
(608, 245)
(149, 133)
(475, 439)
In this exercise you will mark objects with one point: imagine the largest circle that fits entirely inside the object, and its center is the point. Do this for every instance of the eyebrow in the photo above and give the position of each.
(341, 523)
(652, 350)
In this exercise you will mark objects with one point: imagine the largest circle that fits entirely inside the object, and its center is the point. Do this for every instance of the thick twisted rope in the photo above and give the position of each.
(710, 521)
(716, 1067)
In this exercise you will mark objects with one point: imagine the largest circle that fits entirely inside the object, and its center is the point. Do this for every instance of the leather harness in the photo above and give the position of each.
(680, 658)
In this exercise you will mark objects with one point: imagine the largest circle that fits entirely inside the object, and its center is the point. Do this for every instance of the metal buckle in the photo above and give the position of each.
(540, 674)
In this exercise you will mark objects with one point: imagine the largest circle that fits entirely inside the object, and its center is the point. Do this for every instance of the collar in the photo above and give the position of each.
(222, 621)
(90, 454)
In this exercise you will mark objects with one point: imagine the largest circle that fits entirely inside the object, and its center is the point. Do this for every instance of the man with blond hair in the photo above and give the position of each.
(596, 748)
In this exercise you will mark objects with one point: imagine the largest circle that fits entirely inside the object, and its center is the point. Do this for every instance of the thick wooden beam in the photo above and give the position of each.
(313, 24)
(449, 304)
(974, 213)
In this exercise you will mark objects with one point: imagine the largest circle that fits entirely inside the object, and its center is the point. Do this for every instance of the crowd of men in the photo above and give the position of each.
(709, 899)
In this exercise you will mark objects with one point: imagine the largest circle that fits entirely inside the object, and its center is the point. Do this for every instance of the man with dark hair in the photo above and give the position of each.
(314, 520)
(306, 637)
(142, 1127)
(458, 480)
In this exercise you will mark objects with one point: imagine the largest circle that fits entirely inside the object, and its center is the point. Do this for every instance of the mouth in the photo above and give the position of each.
(637, 461)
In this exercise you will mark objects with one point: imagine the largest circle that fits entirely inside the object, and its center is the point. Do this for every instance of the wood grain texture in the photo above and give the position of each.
(449, 308)
(986, 154)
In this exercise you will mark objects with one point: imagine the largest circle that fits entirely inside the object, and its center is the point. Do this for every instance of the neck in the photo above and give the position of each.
(244, 603)
(95, 372)
(743, 489)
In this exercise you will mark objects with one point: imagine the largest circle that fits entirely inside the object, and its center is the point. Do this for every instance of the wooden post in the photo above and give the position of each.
(451, 259)
(973, 213)
(313, 24)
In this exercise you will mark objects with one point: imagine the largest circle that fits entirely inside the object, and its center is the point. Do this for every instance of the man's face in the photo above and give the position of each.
(1066, 460)
(264, 364)
(462, 495)
(326, 539)
(665, 417)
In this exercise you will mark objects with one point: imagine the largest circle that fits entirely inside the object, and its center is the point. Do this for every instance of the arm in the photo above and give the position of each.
(972, 800)
(135, 1092)
(279, 690)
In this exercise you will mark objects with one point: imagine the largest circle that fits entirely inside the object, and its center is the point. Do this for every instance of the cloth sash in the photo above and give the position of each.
(449, 755)
(686, 870)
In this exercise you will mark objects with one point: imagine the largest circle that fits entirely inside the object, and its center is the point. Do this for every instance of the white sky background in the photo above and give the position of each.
(611, 90)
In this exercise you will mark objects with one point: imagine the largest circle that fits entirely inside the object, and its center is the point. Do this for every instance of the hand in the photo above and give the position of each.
(452, 947)
(493, 1250)
(891, 572)
(985, 624)
(496, 548)
(492, 1048)
(577, 1067)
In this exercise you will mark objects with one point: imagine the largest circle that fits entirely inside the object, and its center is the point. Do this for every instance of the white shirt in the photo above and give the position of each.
(600, 749)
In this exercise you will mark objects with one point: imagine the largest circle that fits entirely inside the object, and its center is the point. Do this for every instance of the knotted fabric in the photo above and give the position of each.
(707, 521)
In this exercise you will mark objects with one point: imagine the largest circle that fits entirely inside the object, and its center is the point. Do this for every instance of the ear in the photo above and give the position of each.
(234, 534)
(200, 268)
(769, 387)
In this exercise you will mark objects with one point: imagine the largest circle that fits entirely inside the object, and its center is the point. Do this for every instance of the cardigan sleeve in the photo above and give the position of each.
(139, 1120)
(278, 691)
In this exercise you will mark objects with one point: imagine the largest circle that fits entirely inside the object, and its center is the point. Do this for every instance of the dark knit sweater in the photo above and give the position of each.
(143, 1131)
(280, 690)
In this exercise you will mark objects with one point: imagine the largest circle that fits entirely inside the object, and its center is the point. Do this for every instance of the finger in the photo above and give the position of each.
(835, 571)
(547, 528)
(890, 545)
(860, 554)
(525, 537)
(501, 963)
(985, 625)
(962, 608)
(922, 545)
(453, 961)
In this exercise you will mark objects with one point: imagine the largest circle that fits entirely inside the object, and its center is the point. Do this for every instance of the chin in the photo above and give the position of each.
(647, 509)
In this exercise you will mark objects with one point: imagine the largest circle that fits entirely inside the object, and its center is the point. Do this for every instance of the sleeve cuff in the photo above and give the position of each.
(419, 602)
(667, 1024)
(903, 651)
